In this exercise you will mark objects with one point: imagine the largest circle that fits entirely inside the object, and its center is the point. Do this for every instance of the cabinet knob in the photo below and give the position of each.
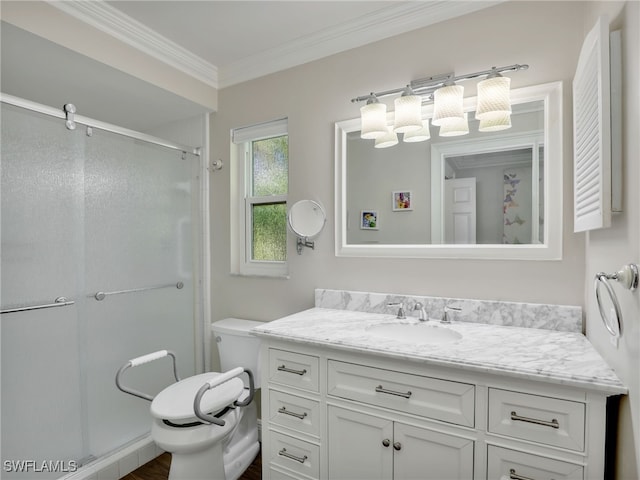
(386, 442)
(397, 445)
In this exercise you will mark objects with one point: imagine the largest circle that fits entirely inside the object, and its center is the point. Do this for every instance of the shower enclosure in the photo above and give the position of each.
(100, 263)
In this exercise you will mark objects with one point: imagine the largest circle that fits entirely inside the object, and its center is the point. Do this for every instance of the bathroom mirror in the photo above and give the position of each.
(306, 219)
(511, 181)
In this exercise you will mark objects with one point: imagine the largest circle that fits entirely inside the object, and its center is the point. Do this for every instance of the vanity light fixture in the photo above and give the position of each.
(389, 139)
(418, 135)
(408, 114)
(495, 123)
(493, 109)
(374, 118)
(448, 105)
(455, 127)
(493, 97)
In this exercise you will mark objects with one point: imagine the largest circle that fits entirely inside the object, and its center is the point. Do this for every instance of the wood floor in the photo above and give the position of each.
(158, 469)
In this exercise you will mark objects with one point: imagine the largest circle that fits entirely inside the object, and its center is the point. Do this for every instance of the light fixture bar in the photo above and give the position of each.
(426, 86)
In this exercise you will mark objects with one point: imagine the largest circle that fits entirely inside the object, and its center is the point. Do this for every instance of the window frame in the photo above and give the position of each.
(242, 201)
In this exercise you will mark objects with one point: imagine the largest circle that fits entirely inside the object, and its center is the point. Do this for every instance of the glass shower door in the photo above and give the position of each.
(141, 209)
(41, 253)
(113, 224)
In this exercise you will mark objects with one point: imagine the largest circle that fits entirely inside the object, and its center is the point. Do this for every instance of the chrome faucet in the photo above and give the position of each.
(400, 306)
(445, 317)
(422, 316)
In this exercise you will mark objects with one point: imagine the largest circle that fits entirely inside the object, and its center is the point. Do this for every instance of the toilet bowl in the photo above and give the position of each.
(208, 422)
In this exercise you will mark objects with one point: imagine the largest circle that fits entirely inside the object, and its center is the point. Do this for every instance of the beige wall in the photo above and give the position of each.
(607, 250)
(315, 95)
(546, 35)
(52, 24)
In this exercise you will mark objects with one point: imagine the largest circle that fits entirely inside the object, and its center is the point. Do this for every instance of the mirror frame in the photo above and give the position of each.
(551, 249)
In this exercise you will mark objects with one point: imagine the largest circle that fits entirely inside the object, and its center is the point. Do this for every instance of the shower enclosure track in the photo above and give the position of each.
(60, 113)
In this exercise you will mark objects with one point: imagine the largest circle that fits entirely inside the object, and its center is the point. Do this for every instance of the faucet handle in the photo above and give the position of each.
(400, 306)
(447, 308)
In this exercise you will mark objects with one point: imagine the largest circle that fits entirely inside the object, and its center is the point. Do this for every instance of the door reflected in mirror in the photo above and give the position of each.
(482, 195)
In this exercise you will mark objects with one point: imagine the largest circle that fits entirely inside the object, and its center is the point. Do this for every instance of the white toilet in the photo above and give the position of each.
(184, 412)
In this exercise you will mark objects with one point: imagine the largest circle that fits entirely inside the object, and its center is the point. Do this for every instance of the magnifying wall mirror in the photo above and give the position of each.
(491, 195)
(306, 220)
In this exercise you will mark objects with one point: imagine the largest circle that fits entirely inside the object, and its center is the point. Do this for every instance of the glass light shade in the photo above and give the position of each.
(455, 127)
(408, 114)
(374, 120)
(418, 135)
(389, 139)
(448, 104)
(494, 98)
(495, 123)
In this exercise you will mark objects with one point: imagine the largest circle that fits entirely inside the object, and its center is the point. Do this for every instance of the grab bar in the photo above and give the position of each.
(58, 302)
(136, 362)
(219, 380)
(101, 295)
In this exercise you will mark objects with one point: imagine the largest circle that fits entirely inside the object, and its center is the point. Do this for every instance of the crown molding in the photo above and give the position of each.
(112, 21)
(386, 22)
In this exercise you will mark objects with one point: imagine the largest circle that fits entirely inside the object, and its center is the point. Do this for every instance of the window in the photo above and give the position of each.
(259, 209)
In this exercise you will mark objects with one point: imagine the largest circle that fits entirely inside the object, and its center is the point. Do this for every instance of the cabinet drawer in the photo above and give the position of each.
(294, 454)
(275, 474)
(546, 420)
(294, 412)
(509, 464)
(293, 369)
(429, 397)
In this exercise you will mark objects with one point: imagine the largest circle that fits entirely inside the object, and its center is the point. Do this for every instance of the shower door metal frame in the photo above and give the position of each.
(89, 122)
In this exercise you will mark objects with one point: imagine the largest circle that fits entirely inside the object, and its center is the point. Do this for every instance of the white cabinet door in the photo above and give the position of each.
(356, 445)
(368, 447)
(425, 454)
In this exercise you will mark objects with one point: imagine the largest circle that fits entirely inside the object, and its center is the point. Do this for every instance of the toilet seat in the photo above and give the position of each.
(175, 403)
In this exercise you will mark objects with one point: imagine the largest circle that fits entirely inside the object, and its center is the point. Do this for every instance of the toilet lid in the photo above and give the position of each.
(176, 401)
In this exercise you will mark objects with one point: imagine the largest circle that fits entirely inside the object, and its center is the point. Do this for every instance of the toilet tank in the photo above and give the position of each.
(237, 347)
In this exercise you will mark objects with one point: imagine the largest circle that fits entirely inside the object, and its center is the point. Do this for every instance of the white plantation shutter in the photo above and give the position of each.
(592, 132)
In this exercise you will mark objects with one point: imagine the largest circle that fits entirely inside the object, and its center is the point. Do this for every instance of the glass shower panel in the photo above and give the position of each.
(41, 253)
(141, 207)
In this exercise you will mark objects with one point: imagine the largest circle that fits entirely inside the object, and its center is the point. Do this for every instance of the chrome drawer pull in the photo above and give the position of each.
(293, 414)
(514, 476)
(553, 423)
(379, 389)
(284, 453)
(282, 368)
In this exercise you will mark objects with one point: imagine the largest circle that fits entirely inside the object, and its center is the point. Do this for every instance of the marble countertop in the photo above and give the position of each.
(544, 355)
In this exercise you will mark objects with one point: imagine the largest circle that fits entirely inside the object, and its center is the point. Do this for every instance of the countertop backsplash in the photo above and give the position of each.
(565, 318)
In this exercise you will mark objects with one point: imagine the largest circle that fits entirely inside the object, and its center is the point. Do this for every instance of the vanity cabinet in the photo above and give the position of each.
(369, 447)
(333, 413)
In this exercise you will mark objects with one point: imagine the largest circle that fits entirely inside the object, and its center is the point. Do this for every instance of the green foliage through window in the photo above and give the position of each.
(269, 232)
(269, 169)
(270, 166)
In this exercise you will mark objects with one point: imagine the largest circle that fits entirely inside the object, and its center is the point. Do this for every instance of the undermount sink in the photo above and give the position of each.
(415, 333)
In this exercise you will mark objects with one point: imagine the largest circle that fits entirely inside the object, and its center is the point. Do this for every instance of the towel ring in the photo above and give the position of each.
(628, 278)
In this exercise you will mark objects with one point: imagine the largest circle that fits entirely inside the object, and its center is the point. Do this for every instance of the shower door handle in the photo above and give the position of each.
(58, 302)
